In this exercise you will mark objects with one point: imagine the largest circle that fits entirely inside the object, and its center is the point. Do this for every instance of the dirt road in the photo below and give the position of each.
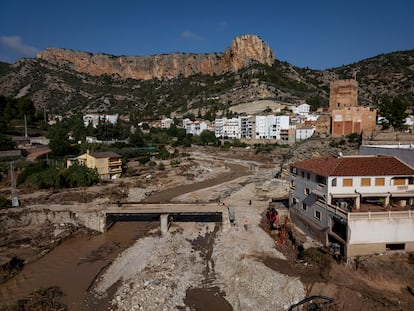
(165, 196)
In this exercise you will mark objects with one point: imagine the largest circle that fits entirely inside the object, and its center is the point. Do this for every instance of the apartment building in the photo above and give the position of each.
(363, 204)
(228, 128)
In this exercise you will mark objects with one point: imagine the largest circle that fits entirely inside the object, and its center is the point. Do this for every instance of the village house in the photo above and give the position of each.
(195, 127)
(94, 119)
(361, 204)
(107, 163)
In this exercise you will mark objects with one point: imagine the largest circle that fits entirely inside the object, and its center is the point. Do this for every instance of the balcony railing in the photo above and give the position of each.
(115, 170)
(114, 163)
(382, 215)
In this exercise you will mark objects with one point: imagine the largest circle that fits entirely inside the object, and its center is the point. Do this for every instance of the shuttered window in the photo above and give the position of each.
(347, 182)
(379, 181)
(399, 181)
(365, 182)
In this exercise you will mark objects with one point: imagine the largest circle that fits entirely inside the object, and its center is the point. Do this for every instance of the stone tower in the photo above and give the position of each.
(343, 94)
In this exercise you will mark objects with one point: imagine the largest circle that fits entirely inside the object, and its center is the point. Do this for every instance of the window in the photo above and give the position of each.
(303, 174)
(307, 191)
(410, 180)
(293, 170)
(308, 175)
(395, 247)
(379, 181)
(320, 179)
(333, 182)
(317, 215)
(304, 207)
(399, 181)
(365, 182)
(292, 184)
(347, 182)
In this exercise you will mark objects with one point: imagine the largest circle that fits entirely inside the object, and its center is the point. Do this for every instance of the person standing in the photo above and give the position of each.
(246, 223)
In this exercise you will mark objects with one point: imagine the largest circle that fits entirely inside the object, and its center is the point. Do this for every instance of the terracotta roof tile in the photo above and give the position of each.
(355, 166)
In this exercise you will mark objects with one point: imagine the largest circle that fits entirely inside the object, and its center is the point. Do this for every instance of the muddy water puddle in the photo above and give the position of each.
(73, 265)
(208, 297)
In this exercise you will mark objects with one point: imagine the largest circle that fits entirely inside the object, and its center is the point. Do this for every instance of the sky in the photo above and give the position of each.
(318, 34)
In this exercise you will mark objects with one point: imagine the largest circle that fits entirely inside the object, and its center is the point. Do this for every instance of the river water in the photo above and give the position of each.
(74, 264)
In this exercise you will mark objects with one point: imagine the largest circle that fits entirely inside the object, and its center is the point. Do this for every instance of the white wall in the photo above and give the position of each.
(388, 230)
(356, 186)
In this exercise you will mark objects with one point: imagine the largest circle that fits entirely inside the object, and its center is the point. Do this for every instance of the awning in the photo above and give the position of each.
(344, 195)
(402, 194)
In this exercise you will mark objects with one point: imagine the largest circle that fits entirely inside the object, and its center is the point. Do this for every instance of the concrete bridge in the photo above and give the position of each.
(165, 213)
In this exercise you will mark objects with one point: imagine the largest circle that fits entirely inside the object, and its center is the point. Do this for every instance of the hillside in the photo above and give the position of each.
(60, 89)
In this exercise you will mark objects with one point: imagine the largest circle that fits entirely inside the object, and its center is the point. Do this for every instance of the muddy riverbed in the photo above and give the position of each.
(199, 267)
(74, 264)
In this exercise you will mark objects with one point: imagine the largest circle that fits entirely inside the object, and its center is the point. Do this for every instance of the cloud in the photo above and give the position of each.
(191, 36)
(16, 44)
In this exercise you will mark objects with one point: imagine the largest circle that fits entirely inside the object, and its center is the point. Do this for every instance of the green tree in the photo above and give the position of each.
(316, 102)
(25, 107)
(45, 179)
(6, 143)
(137, 139)
(5, 203)
(208, 137)
(59, 143)
(394, 111)
(32, 168)
(77, 127)
(80, 176)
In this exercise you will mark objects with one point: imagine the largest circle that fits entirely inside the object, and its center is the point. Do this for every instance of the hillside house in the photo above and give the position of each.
(195, 127)
(94, 119)
(108, 164)
(364, 204)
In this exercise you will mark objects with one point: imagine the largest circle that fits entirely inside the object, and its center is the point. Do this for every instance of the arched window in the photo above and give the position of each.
(333, 183)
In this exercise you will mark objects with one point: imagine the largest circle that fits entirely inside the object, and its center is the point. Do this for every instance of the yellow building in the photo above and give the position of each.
(107, 163)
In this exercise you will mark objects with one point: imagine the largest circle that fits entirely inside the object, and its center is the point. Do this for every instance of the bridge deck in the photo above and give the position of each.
(145, 208)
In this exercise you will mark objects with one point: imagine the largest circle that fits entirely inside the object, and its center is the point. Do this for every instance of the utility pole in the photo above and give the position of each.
(25, 126)
(14, 197)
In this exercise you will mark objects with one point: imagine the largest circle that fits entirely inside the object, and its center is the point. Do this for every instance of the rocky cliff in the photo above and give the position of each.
(243, 51)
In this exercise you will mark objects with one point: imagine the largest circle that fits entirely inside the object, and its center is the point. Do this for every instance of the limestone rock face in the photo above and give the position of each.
(243, 51)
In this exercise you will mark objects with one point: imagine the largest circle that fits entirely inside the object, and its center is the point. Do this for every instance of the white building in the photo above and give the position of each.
(262, 127)
(302, 110)
(166, 123)
(195, 127)
(363, 204)
(270, 127)
(94, 119)
(228, 128)
(304, 132)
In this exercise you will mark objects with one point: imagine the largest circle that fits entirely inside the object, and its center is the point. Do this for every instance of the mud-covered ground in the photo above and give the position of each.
(203, 266)
(377, 282)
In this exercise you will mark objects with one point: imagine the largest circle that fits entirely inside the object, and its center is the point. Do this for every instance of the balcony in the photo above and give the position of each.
(115, 163)
(115, 170)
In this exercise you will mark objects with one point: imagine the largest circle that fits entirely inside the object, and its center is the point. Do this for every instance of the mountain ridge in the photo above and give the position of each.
(60, 89)
(243, 50)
